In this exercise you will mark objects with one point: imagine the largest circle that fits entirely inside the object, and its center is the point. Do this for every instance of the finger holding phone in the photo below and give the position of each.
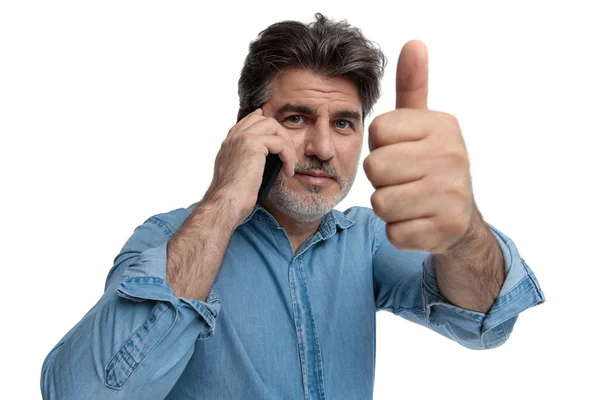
(240, 163)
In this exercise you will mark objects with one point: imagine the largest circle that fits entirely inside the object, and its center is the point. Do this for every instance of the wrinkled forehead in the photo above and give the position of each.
(322, 95)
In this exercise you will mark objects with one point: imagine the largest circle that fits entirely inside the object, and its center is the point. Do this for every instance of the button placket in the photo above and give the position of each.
(308, 342)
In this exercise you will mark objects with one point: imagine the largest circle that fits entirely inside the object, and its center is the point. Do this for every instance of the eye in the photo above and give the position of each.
(342, 124)
(294, 119)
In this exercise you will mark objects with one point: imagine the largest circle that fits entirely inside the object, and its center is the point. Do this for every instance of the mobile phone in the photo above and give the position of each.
(273, 166)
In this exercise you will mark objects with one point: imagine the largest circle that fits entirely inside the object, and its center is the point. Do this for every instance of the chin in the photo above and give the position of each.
(305, 203)
(304, 206)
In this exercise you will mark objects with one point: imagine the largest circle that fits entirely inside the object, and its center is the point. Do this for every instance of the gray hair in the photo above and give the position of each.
(334, 49)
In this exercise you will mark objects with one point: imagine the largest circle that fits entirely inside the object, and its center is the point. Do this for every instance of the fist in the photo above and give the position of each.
(418, 165)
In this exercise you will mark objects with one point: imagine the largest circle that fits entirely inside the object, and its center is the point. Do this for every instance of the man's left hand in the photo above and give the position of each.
(419, 165)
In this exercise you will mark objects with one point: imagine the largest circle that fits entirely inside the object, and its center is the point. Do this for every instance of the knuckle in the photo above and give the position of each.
(397, 236)
(251, 143)
(449, 119)
(456, 160)
(453, 121)
(245, 140)
(460, 157)
(229, 144)
(392, 233)
(461, 160)
(376, 122)
(376, 126)
(378, 202)
(271, 121)
(464, 198)
(459, 192)
(371, 166)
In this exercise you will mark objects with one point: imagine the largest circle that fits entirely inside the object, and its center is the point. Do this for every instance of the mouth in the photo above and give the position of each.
(314, 177)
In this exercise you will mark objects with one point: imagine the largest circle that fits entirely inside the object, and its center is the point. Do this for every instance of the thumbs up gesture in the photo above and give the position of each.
(418, 165)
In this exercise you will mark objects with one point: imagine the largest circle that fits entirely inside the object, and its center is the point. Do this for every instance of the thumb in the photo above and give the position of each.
(412, 76)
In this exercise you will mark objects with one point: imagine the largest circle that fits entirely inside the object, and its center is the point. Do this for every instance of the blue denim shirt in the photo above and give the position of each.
(276, 325)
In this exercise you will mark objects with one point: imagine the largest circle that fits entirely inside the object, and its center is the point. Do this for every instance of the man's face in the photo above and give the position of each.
(324, 119)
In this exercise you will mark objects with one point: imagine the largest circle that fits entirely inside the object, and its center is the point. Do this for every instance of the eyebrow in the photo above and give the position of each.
(347, 114)
(297, 108)
(306, 110)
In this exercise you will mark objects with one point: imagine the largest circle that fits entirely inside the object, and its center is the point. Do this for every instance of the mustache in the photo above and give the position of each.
(318, 165)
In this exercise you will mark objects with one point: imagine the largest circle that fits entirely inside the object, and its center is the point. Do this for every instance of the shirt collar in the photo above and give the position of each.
(329, 222)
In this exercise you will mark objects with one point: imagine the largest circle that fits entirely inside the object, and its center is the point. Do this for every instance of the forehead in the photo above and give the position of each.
(302, 86)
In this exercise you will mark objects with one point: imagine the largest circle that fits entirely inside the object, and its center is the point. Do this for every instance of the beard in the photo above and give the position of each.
(308, 206)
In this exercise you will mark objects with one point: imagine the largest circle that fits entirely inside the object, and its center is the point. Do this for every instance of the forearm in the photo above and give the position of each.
(471, 273)
(138, 318)
(122, 350)
(195, 252)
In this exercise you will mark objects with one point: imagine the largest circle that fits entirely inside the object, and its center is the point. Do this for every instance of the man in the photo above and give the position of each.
(229, 299)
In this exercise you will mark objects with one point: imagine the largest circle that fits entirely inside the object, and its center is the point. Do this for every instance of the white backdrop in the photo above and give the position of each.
(113, 111)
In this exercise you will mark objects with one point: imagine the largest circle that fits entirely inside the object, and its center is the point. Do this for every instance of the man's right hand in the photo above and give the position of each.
(240, 162)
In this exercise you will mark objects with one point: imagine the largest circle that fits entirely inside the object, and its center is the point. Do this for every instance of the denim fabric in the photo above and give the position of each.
(276, 325)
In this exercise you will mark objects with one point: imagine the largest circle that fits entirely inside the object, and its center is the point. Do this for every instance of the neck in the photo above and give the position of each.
(297, 231)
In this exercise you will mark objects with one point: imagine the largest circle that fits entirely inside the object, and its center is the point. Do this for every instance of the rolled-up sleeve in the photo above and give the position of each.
(137, 339)
(145, 279)
(406, 285)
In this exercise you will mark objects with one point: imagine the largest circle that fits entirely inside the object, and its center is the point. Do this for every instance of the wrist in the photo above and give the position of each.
(225, 207)
(476, 233)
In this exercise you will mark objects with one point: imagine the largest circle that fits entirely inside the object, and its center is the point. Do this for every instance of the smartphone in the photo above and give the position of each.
(273, 165)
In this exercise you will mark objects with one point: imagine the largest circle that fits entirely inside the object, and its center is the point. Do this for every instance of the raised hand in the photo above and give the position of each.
(240, 163)
(418, 165)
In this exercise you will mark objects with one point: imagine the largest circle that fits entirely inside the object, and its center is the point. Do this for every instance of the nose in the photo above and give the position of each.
(319, 141)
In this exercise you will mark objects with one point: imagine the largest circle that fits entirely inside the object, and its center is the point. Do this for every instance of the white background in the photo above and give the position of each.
(113, 111)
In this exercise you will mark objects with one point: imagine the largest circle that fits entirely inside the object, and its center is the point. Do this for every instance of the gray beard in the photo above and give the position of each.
(306, 207)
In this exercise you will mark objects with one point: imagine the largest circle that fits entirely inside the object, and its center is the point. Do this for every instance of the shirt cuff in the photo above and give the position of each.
(520, 291)
(145, 279)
